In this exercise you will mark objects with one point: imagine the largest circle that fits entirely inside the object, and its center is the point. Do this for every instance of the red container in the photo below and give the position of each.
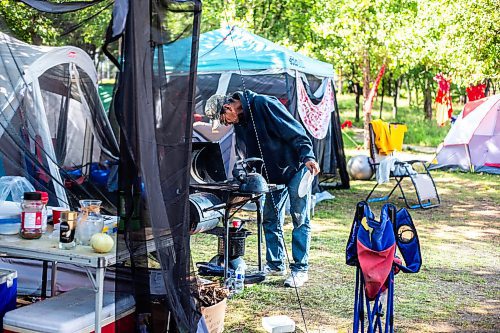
(56, 214)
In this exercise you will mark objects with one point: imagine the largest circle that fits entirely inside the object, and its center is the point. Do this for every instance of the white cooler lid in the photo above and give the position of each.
(68, 312)
(7, 274)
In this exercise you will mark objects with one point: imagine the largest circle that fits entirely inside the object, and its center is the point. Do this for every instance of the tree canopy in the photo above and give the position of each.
(415, 39)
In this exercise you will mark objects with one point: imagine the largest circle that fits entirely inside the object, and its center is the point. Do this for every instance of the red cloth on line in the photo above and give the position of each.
(444, 109)
(347, 124)
(367, 107)
(475, 92)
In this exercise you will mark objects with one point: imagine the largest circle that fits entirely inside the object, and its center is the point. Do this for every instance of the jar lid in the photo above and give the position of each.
(32, 196)
(69, 216)
(45, 196)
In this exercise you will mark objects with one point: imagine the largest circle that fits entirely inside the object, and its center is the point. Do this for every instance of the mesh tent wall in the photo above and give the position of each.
(51, 117)
(154, 115)
(473, 142)
(232, 59)
(155, 146)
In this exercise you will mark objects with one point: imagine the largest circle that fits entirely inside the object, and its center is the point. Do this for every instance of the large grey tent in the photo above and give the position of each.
(232, 58)
(51, 117)
(51, 121)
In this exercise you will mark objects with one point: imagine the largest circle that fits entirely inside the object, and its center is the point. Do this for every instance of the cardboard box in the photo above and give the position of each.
(214, 316)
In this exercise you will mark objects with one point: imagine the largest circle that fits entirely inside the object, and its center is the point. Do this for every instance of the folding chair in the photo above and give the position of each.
(379, 249)
(414, 170)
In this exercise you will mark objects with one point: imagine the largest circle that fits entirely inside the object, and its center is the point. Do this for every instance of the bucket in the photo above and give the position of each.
(236, 242)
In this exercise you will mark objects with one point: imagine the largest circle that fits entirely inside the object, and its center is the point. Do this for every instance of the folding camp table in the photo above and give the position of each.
(46, 249)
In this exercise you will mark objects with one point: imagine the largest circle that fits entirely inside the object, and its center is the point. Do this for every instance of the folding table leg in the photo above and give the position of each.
(226, 241)
(99, 295)
(259, 234)
(98, 284)
(53, 277)
(44, 279)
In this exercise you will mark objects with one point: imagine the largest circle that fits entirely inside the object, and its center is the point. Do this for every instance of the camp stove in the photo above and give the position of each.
(213, 198)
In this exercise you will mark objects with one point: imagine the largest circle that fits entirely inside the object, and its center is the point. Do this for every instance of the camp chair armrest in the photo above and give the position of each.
(422, 162)
(415, 161)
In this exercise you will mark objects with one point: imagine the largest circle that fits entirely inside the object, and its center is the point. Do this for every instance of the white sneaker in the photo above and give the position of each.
(268, 271)
(296, 279)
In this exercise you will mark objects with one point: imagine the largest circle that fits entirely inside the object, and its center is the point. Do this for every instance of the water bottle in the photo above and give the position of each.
(229, 283)
(239, 280)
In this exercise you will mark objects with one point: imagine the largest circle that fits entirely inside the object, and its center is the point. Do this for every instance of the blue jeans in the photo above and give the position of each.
(273, 219)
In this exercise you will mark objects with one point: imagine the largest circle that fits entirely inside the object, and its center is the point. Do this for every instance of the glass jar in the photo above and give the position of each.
(67, 228)
(31, 215)
(89, 221)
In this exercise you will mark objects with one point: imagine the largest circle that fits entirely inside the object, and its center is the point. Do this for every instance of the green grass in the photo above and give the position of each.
(421, 132)
(456, 290)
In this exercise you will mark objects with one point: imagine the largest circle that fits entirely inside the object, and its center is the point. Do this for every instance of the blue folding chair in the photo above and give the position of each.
(372, 249)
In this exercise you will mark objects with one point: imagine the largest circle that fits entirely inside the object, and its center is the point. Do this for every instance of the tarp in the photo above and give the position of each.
(473, 142)
(217, 53)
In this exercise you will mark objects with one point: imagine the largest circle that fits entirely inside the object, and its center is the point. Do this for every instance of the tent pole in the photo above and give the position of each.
(467, 153)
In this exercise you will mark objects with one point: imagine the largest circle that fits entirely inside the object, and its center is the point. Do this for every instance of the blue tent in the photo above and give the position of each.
(217, 53)
(232, 59)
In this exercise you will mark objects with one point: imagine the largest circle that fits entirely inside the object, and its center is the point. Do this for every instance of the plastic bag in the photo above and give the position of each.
(14, 186)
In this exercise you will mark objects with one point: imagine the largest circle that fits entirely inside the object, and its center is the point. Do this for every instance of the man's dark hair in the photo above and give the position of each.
(236, 95)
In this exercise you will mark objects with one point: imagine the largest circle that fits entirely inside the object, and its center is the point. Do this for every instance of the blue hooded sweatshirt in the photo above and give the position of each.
(284, 143)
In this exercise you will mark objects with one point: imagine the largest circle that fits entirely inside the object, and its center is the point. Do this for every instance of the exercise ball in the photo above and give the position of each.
(359, 168)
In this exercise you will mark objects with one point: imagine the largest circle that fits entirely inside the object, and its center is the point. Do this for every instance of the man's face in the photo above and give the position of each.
(230, 112)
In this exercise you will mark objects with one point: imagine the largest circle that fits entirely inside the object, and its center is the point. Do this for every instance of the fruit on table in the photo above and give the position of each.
(101, 242)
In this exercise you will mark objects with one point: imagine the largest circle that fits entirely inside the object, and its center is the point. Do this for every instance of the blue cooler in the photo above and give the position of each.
(8, 291)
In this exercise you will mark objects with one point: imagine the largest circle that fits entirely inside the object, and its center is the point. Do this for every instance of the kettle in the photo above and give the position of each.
(250, 180)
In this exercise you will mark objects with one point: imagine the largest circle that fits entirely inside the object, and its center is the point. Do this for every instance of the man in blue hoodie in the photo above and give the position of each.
(265, 129)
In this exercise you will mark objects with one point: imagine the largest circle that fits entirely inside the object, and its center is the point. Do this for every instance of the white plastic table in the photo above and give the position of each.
(46, 249)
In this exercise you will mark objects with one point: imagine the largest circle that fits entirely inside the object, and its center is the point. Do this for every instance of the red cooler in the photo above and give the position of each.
(73, 311)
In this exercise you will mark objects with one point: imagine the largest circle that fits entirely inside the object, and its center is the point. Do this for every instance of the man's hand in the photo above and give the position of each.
(313, 167)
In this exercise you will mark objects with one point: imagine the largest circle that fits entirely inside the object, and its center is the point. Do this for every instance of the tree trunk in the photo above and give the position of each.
(416, 91)
(341, 82)
(488, 87)
(367, 112)
(462, 99)
(397, 86)
(382, 98)
(408, 88)
(389, 85)
(427, 99)
(357, 90)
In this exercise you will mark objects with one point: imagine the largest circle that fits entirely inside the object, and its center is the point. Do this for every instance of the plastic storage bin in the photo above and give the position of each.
(8, 291)
(73, 311)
